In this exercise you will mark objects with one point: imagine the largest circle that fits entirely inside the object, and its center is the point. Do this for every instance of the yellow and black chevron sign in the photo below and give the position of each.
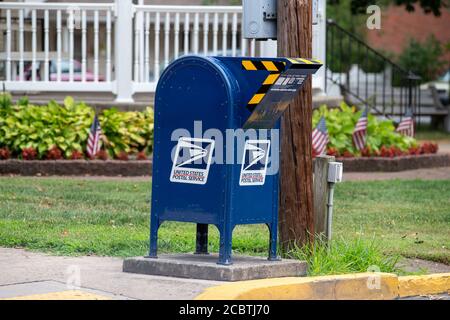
(304, 61)
(274, 67)
(259, 95)
(267, 65)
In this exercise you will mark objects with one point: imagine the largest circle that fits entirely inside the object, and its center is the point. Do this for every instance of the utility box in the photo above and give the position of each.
(216, 144)
(259, 19)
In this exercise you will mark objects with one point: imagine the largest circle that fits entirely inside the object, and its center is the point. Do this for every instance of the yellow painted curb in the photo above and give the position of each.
(63, 295)
(424, 285)
(363, 286)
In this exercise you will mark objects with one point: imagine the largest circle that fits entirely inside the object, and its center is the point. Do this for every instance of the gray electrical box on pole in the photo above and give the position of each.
(260, 19)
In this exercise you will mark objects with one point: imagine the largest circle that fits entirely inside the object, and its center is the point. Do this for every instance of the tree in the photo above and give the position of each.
(296, 220)
(423, 59)
(428, 6)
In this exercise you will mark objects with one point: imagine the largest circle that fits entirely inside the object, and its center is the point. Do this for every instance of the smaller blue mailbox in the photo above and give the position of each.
(207, 177)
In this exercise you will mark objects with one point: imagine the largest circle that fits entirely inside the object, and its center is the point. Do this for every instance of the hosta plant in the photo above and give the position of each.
(381, 134)
(65, 127)
(127, 132)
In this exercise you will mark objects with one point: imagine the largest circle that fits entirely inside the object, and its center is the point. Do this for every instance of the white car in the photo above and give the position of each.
(442, 85)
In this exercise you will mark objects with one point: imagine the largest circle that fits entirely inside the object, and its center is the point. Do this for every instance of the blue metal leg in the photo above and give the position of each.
(273, 230)
(226, 234)
(154, 226)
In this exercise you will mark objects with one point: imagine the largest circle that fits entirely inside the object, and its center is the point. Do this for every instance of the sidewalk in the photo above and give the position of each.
(27, 273)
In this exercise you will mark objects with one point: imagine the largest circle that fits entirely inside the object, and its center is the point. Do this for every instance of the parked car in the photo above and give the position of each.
(65, 72)
(442, 85)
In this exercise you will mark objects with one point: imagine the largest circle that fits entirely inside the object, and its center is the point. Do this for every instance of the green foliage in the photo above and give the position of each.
(5, 102)
(110, 217)
(341, 123)
(344, 52)
(423, 59)
(428, 6)
(344, 256)
(130, 132)
(41, 128)
(340, 11)
(25, 126)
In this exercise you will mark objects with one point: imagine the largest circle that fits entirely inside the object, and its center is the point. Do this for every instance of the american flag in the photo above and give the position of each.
(359, 133)
(94, 143)
(406, 126)
(320, 137)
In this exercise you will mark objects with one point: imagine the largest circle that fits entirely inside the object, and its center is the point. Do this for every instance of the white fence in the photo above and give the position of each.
(51, 66)
(118, 48)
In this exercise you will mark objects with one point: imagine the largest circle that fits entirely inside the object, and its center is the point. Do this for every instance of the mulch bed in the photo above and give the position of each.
(133, 168)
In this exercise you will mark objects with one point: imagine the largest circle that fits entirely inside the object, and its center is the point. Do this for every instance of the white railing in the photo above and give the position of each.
(118, 47)
(164, 33)
(52, 66)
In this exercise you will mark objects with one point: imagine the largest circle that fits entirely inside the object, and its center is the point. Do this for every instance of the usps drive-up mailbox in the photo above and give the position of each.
(216, 144)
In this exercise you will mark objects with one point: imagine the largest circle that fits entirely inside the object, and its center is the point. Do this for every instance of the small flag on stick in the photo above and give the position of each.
(94, 143)
(406, 126)
(360, 131)
(320, 137)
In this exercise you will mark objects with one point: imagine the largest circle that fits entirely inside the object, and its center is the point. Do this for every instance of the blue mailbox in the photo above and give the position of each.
(190, 182)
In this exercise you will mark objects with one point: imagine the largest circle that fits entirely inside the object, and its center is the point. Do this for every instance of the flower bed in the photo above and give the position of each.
(381, 139)
(56, 132)
(51, 140)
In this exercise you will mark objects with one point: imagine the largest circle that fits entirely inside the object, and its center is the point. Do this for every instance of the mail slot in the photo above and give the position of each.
(216, 144)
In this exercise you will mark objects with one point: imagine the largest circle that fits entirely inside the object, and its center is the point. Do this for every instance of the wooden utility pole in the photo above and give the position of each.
(296, 219)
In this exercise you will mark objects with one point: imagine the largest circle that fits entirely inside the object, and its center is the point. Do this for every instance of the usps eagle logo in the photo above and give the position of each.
(254, 163)
(192, 160)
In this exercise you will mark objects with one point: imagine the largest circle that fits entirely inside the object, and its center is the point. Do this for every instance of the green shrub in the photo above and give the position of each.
(370, 62)
(5, 102)
(128, 132)
(341, 123)
(423, 59)
(66, 127)
(43, 127)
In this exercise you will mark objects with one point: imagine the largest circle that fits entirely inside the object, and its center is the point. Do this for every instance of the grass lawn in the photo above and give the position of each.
(110, 217)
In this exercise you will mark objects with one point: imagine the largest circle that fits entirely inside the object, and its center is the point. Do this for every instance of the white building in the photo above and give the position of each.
(118, 47)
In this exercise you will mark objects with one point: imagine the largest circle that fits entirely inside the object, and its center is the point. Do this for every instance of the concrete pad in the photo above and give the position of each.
(206, 267)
